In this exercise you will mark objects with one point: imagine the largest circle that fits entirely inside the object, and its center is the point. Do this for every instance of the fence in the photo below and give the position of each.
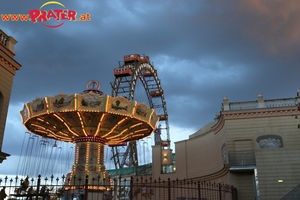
(130, 188)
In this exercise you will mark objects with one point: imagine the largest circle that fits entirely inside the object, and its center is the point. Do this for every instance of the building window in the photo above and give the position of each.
(269, 141)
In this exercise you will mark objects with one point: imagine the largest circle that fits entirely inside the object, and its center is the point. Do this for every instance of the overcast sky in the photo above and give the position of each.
(203, 50)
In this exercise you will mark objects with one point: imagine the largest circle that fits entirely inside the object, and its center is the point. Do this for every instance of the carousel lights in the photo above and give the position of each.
(99, 124)
(140, 130)
(121, 121)
(67, 139)
(58, 117)
(77, 156)
(136, 125)
(40, 119)
(48, 133)
(118, 134)
(51, 133)
(27, 108)
(134, 107)
(82, 125)
(70, 129)
(152, 112)
(136, 135)
(43, 131)
(87, 157)
(103, 158)
(98, 157)
(75, 101)
(38, 114)
(114, 127)
(62, 133)
(91, 139)
(38, 126)
(117, 113)
(106, 103)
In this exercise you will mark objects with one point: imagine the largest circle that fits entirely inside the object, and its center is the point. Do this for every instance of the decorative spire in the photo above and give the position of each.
(94, 87)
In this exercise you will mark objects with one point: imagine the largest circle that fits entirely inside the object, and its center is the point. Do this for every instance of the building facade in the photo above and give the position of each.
(251, 145)
(8, 68)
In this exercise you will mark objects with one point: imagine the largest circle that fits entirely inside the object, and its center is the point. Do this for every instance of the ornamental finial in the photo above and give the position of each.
(93, 86)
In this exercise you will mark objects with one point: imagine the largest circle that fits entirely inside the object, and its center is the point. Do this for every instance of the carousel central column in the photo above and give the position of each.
(89, 159)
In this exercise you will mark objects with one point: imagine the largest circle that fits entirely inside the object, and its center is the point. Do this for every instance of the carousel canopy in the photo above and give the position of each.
(91, 114)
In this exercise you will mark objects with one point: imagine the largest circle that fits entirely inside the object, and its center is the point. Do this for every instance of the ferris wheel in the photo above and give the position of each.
(137, 79)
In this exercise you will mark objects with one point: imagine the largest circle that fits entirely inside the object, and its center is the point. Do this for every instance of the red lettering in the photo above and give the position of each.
(64, 15)
(43, 16)
(58, 14)
(34, 14)
(72, 15)
(51, 14)
(23, 17)
(14, 17)
(5, 17)
(88, 16)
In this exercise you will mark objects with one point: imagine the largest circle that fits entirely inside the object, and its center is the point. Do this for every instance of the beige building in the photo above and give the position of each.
(253, 145)
(8, 67)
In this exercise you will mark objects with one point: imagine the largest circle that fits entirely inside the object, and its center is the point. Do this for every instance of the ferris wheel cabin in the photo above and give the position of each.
(122, 71)
(156, 93)
(144, 59)
(162, 117)
(136, 58)
(132, 58)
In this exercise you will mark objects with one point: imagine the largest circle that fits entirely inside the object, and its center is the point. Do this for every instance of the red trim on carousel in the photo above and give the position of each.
(90, 139)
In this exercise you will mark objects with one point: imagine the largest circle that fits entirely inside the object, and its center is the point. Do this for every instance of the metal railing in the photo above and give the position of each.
(132, 188)
(271, 103)
(241, 158)
(243, 105)
(293, 195)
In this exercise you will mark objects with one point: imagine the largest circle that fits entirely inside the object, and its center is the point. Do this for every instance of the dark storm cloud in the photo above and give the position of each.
(203, 50)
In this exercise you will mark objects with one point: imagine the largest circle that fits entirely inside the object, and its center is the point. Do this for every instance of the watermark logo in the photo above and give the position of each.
(51, 18)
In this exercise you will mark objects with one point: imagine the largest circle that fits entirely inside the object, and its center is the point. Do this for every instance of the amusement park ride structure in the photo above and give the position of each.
(137, 79)
(91, 120)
